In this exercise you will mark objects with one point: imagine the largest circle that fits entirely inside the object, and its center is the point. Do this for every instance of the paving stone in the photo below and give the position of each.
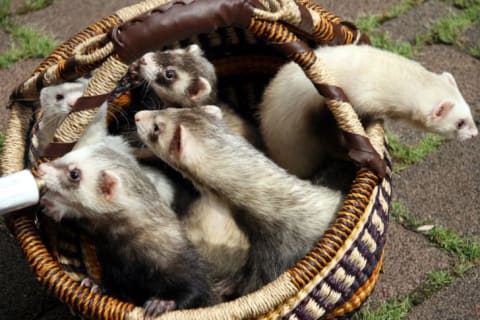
(409, 256)
(406, 133)
(417, 21)
(22, 297)
(80, 13)
(471, 37)
(458, 301)
(10, 78)
(16, 5)
(444, 188)
(5, 41)
(425, 188)
(351, 9)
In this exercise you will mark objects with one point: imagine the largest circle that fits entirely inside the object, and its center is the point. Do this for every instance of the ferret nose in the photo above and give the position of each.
(41, 170)
(141, 115)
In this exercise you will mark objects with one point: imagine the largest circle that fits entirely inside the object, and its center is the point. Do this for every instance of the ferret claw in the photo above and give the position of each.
(89, 283)
(154, 307)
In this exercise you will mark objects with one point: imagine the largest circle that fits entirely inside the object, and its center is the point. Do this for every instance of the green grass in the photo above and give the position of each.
(384, 41)
(405, 155)
(28, 43)
(463, 4)
(439, 279)
(33, 5)
(4, 9)
(449, 29)
(399, 213)
(399, 9)
(390, 310)
(467, 249)
(369, 22)
(474, 52)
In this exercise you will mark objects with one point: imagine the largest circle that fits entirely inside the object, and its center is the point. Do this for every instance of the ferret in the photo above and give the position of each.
(141, 245)
(294, 118)
(282, 215)
(185, 78)
(56, 103)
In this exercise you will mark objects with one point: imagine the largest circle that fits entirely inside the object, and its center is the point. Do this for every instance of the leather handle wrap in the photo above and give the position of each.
(176, 20)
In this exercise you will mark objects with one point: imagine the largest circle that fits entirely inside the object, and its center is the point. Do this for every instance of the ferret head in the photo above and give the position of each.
(93, 181)
(181, 136)
(180, 77)
(450, 115)
(61, 98)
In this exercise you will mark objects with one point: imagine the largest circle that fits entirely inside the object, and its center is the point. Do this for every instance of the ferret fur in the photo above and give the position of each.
(56, 103)
(282, 215)
(145, 255)
(190, 84)
(184, 78)
(294, 118)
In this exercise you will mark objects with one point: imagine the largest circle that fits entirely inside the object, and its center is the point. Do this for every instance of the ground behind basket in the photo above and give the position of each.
(441, 190)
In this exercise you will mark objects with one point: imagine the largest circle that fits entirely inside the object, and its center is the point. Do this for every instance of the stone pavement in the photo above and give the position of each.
(441, 190)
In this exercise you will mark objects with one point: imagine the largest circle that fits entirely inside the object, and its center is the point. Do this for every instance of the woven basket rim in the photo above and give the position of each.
(288, 287)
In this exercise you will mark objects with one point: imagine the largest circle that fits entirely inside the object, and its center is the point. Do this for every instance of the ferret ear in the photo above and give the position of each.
(440, 111)
(195, 49)
(200, 89)
(213, 110)
(184, 143)
(108, 184)
(449, 77)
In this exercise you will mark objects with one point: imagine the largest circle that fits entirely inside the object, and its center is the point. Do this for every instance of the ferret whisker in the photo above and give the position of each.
(24, 100)
(118, 111)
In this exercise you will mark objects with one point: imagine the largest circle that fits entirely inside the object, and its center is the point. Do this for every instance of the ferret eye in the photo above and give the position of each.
(170, 74)
(74, 175)
(460, 124)
(59, 97)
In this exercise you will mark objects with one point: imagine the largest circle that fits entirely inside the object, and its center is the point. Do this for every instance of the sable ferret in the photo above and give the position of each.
(184, 78)
(142, 247)
(378, 83)
(282, 215)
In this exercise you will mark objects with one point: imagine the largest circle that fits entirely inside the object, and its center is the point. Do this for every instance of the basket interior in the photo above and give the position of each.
(244, 65)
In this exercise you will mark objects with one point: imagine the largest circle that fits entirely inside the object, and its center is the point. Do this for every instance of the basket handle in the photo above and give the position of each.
(176, 20)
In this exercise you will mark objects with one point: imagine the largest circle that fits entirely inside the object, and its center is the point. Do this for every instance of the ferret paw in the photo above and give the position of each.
(89, 283)
(154, 307)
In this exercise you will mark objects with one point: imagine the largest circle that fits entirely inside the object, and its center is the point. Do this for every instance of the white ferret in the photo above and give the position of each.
(282, 215)
(378, 83)
(56, 103)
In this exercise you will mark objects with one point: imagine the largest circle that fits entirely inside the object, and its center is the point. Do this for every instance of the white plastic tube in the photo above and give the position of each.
(18, 190)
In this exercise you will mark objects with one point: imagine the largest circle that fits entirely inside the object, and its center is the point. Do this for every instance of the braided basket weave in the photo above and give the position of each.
(335, 278)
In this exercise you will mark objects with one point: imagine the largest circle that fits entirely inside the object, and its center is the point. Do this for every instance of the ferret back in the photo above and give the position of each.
(247, 41)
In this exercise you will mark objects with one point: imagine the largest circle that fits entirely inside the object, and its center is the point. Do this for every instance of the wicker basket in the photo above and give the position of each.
(339, 273)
